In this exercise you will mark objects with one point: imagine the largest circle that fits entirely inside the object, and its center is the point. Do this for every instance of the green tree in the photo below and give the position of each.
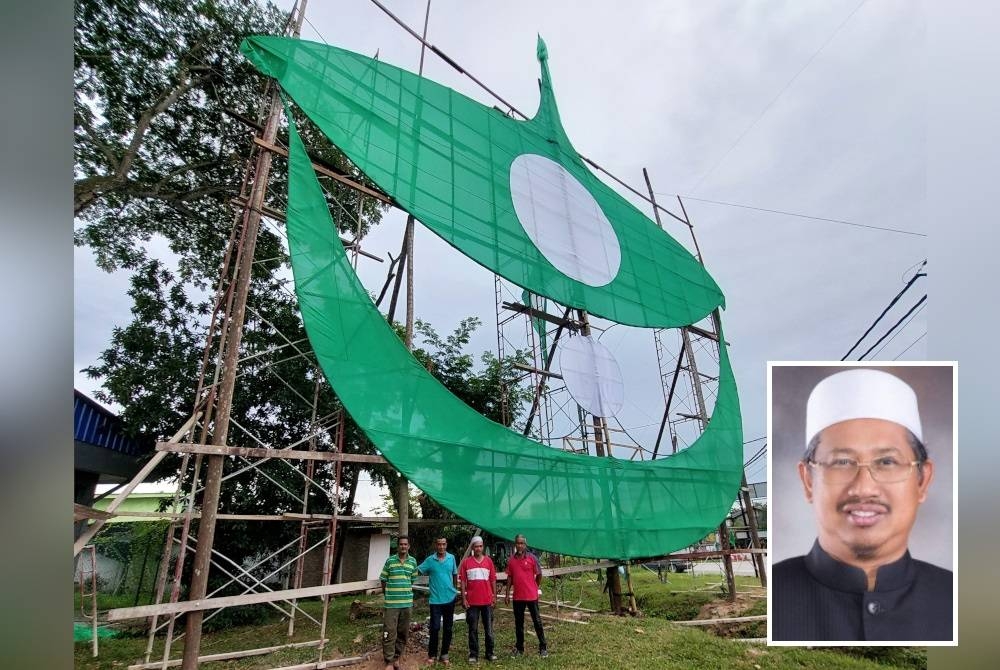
(481, 389)
(164, 113)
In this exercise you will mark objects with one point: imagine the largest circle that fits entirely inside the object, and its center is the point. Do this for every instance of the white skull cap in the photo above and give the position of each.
(861, 394)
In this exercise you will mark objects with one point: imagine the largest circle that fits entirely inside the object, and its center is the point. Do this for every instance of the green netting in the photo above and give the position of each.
(453, 163)
(564, 502)
(83, 632)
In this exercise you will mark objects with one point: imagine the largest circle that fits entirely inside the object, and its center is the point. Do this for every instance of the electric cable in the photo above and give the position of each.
(892, 302)
(919, 302)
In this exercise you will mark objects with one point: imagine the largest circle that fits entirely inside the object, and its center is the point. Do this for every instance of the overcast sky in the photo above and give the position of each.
(810, 108)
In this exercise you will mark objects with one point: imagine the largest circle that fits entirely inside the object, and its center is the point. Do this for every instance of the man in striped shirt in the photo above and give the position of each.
(397, 578)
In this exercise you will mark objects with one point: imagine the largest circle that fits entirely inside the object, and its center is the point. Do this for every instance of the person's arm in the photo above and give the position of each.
(462, 586)
(506, 595)
(384, 575)
(423, 568)
(538, 572)
(493, 584)
(454, 574)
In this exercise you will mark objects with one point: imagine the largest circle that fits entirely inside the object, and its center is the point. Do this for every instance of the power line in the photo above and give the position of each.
(900, 330)
(805, 216)
(775, 98)
(919, 302)
(316, 30)
(892, 302)
(756, 456)
(911, 345)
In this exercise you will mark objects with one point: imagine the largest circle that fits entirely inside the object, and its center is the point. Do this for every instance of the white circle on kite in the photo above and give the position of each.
(592, 375)
(563, 220)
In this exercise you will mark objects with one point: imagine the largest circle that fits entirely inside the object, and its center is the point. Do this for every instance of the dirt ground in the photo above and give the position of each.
(737, 608)
(726, 609)
(416, 652)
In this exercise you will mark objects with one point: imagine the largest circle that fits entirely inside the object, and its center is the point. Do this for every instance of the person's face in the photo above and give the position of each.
(477, 549)
(442, 546)
(520, 545)
(864, 521)
(404, 547)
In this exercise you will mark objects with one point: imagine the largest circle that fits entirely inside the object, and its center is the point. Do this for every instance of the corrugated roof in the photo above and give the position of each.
(96, 425)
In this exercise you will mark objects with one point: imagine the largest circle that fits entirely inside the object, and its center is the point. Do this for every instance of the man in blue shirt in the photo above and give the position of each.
(443, 573)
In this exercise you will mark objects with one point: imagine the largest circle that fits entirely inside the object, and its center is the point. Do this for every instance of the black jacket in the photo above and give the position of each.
(818, 598)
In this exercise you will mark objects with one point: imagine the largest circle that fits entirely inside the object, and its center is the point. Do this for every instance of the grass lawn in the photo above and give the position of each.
(605, 642)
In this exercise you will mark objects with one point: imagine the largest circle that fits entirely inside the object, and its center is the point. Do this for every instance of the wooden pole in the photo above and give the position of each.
(758, 558)
(234, 336)
(614, 584)
(304, 526)
(403, 487)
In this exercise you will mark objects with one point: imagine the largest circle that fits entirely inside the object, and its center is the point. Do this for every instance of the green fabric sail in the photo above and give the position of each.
(512, 195)
(491, 476)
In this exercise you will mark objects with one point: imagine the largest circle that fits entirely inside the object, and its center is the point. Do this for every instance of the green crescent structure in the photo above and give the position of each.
(512, 195)
(484, 472)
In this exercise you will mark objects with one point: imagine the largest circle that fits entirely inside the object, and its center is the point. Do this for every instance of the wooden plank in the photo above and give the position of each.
(261, 452)
(81, 512)
(732, 619)
(702, 333)
(321, 665)
(378, 195)
(572, 607)
(537, 371)
(291, 516)
(140, 476)
(571, 569)
(544, 316)
(548, 616)
(395, 520)
(567, 570)
(125, 613)
(229, 655)
(277, 215)
(694, 555)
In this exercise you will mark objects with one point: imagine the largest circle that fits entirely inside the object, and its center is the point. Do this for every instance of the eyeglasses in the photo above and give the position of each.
(885, 470)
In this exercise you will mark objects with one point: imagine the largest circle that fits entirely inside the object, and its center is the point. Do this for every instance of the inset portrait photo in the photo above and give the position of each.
(861, 504)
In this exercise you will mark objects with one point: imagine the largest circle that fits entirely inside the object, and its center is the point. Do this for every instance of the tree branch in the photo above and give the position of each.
(145, 121)
(85, 193)
(84, 122)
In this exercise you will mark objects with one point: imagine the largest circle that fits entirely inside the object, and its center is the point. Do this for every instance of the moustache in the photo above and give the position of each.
(855, 501)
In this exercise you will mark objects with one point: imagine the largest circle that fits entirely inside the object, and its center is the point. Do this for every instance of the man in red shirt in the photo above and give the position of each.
(477, 578)
(525, 575)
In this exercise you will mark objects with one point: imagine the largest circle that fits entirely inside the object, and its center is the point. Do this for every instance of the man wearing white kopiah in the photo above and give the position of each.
(866, 472)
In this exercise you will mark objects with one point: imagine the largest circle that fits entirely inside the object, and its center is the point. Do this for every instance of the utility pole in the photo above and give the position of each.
(403, 488)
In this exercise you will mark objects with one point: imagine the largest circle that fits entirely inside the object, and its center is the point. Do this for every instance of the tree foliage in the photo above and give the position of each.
(481, 390)
(163, 108)
(164, 114)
